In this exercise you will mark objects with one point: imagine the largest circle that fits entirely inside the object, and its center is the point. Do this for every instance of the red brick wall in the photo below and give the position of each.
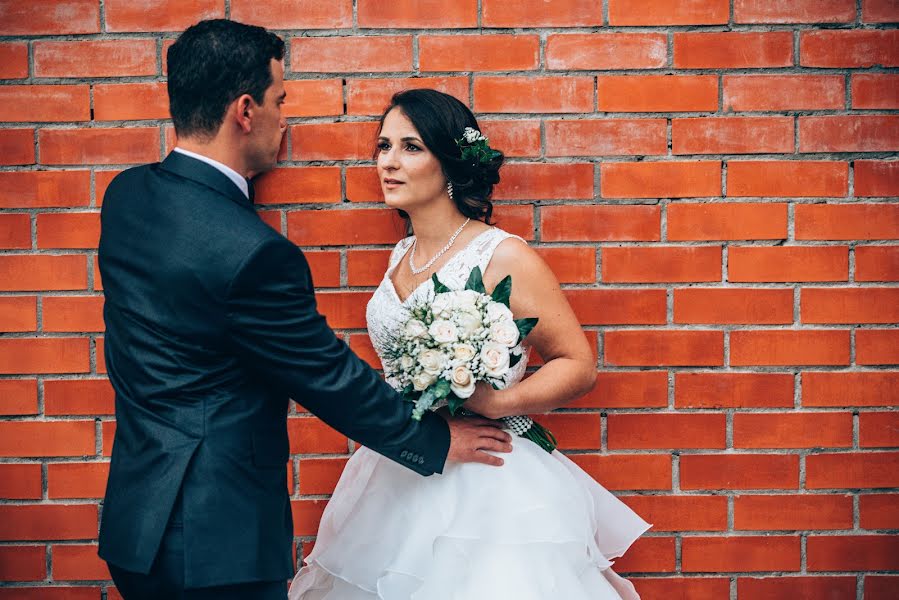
(714, 182)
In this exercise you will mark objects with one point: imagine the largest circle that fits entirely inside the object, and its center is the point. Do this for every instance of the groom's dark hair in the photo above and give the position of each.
(212, 64)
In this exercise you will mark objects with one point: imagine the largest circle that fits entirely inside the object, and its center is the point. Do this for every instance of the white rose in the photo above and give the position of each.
(462, 383)
(432, 361)
(495, 358)
(466, 300)
(442, 304)
(464, 352)
(496, 311)
(415, 329)
(505, 333)
(406, 362)
(469, 323)
(443, 332)
(421, 381)
(472, 135)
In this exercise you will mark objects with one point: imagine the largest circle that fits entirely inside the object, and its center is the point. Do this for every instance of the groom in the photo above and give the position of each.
(211, 325)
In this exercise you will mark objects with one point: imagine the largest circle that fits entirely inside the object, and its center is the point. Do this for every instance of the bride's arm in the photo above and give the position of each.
(570, 367)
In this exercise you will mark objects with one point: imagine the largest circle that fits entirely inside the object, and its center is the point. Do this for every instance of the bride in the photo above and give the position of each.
(537, 528)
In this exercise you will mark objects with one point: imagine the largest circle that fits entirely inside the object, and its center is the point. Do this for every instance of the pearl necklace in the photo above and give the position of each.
(449, 245)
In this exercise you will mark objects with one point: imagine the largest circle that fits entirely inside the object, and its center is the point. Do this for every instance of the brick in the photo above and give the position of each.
(325, 267)
(540, 13)
(87, 397)
(668, 12)
(662, 431)
(516, 219)
(657, 93)
(48, 522)
(849, 48)
(792, 430)
(732, 135)
(852, 470)
(606, 51)
(716, 305)
(626, 389)
(852, 552)
(363, 185)
(733, 390)
(372, 96)
(320, 475)
(73, 562)
(418, 14)
(574, 431)
(45, 103)
(606, 137)
(20, 481)
(681, 513)
(52, 593)
(68, 230)
(570, 264)
(634, 264)
(849, 305)
(877, 346)
(77, 480)
(344, 310)
(511, 94)
(786, 347)
(19, 397)
(160, 15)
(880, 587)
(795, 179)
(618, 307)
(794, 11)
(102, 180)
(362, 346)
(878, 430)
(298, 185)
(849, 133)
(493, 52)
(783, 92)
(661, 179)
(796, 588)
(306, 516)
(727, 221)
(741, 554)
(95, 58)
(313, 98)
(42, 272)
(879, 11)
(847, 222)
(366, 267)
(333, 141)
(535, 181)
(98, 146)
(875, 388)
(73, 313)
(875, 91)
(627, 471)
(23, 563)
(15, 231)
(17, 147)
(535, 360)
(739, 471)
(43, 355)
(787, 263)
(13, 60)
(67, 16)
(52, 438)
(648, 555)
(733, 50)
(294, 14)
(517, 138)
(600, 223)
(18, 313)
(683, 588)
(344, 227)
(130, 101)
(633, 348)
(879, 511)
(359, 54)
(876, 178)
(310, 435)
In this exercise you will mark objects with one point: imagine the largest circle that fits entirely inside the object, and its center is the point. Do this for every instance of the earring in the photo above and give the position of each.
(449, 189)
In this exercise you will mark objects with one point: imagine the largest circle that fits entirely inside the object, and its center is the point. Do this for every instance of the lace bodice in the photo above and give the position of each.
(385, 312)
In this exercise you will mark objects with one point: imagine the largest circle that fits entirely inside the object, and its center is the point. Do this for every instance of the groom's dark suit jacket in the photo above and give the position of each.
(211, 325)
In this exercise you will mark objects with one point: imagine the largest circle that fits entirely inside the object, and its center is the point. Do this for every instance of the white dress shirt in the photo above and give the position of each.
(233, 175)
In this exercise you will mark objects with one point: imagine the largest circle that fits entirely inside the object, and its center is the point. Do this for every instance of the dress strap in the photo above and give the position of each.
(399, 250)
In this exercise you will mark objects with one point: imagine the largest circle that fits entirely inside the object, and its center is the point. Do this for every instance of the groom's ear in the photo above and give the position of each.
(243, 112)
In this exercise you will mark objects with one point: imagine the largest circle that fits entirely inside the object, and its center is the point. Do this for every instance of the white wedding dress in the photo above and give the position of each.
(537, 528)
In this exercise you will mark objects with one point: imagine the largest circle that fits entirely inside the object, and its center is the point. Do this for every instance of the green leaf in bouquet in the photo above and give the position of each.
(475, 281)
(439, 288)
(455, 403)
(514, 360)
(503, 291)
(441, 389)
(423, 404)
(525, 326)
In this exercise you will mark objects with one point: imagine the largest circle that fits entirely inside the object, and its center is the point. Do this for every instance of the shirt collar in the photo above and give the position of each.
(239, 180)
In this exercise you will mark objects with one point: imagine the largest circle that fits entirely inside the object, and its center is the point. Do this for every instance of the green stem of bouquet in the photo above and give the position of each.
(541, 436)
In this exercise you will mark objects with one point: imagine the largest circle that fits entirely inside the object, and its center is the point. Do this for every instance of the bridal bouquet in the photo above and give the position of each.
(454, 339)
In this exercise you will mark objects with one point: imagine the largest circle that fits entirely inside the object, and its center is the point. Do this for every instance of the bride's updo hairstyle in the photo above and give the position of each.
(441, 119)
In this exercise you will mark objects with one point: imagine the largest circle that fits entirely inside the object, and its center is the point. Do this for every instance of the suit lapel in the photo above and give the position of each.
(204, 174)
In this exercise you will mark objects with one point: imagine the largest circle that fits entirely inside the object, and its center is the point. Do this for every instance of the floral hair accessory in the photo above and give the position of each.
(475, 147)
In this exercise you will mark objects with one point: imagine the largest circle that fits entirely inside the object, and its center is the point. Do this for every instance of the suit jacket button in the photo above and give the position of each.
(404, 454)
(421, 460)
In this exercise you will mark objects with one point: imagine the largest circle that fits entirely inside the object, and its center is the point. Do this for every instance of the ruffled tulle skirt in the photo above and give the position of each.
(537, 528)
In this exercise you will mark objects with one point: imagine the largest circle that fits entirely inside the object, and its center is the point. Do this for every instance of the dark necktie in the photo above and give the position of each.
(251, 190)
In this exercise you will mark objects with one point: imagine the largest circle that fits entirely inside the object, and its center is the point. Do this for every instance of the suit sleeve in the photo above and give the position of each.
(278, 332)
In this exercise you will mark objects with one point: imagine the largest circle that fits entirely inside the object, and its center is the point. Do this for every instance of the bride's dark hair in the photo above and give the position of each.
(441, 119)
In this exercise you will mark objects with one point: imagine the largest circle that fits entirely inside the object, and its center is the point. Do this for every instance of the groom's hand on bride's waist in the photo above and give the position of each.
(473, 438)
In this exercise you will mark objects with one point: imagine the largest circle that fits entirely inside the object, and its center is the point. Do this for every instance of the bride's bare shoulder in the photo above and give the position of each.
(513, 256)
